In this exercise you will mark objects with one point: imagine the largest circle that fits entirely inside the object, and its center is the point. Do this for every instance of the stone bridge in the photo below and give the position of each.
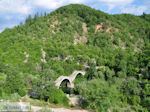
(69, 79)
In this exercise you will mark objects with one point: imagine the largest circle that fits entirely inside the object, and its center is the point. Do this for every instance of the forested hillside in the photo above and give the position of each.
(114, 50)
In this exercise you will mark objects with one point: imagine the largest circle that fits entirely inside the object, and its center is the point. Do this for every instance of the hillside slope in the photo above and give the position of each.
(70, 38)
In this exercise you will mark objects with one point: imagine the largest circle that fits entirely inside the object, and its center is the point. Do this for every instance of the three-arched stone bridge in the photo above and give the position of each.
(69, 79)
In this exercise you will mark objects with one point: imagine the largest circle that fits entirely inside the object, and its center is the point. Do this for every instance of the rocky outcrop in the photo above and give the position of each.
(26, 57)
(80, 39)
(43, 57)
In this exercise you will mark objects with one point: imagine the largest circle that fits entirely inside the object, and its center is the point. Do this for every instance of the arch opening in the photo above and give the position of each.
(79, 75)
(65, 86)
(78, 79)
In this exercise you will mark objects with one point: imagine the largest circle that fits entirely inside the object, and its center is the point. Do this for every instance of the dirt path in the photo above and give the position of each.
(37, 109)
(66, 110)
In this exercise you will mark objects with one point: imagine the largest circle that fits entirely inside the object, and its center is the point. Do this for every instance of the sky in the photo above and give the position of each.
(13, 12)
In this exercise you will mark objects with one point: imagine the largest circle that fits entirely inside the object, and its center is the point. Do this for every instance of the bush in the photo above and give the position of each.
(146, 102)
(57, 96)
(121, 74)
(102, 98)
(12, 81)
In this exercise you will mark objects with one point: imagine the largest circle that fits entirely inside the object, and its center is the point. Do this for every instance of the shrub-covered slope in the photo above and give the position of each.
(70, 38)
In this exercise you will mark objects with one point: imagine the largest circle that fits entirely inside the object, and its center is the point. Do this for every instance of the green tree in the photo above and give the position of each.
(92, 72)
(132, 90)
(98, 95)
(14, 82)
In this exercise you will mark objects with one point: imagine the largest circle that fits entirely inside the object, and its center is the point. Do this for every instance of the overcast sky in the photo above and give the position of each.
(13, 12)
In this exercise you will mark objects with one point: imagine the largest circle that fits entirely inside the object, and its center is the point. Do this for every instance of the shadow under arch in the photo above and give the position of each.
(65, 86)
(79, 75)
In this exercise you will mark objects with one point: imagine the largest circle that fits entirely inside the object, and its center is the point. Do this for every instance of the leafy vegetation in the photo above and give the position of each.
(113, 49)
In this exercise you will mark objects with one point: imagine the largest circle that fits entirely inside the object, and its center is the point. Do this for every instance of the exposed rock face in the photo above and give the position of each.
(84, 28)
(105, 27)
(58, 58)
(99, 27)
(38, 67)
(69, 57)
(80, 39)
(111, 29)
(43, 58)
(54, 25)
(26, 57)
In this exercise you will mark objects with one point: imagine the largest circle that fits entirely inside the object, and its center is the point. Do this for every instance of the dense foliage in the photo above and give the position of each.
(117, 53)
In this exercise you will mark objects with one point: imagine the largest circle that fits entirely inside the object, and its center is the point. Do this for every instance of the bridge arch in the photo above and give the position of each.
(68, 79)
(75, 74)
(64, 79)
